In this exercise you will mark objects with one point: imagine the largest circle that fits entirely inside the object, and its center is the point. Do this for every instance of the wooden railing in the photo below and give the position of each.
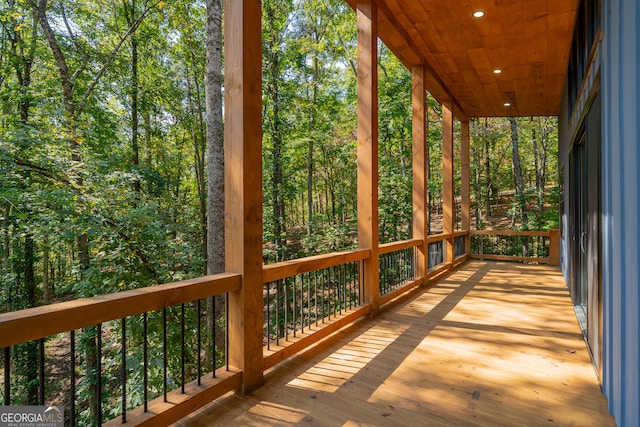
(398, 265)
(520, 246)
(308, 299)
(305, 300)
(104, 314)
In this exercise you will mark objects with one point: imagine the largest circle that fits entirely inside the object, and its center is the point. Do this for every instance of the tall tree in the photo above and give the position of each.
(75, 99)
(215, 140)
(130, 10)
(22, 39)
(276, 14)
(521, 201)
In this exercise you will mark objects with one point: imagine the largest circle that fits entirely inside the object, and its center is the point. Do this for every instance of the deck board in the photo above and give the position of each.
(491, 344)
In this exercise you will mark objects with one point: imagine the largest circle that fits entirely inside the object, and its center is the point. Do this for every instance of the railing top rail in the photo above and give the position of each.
(282, 270)
(41, 322)
(461, 233)
(433, 238)
(386, 248)
(510, 233)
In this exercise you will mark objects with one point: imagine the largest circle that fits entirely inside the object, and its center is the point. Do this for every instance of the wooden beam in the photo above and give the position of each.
(448, 194)
(366, 12)
(21, 326)
(243, 185)
(282, 270)
(510, 233)
(387, 248)
(465, 166)
(419, 166)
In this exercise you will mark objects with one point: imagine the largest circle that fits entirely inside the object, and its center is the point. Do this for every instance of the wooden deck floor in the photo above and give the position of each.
(493, 344)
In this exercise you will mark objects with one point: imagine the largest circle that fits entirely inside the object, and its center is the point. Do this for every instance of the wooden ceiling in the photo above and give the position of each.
(529, 40)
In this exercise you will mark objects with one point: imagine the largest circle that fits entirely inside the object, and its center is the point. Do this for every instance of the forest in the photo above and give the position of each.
(133, 180)
(105, 161)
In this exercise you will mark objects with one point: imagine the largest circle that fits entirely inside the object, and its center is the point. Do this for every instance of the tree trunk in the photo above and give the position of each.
(70, 123)
(215, 140)
(215, 159)
(539, 138)
(130, 14)
(27, 354)
(487, 171)
(273, 90)
(519, 181)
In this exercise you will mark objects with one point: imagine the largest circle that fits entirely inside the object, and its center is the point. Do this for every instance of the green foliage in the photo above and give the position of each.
(68, 169)
(492, 174)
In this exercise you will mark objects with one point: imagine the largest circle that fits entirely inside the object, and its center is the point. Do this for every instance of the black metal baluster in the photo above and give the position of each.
(7, 376)
(342, 289)
(388, 272)
(268, 332)
(293, 308)
(347, 284)
(213, 336)
(354, 288)
(383, 275)
(363, 284)
(315, 293)
(41, 371)
(336, 290)
(124, 369)
(400, 267)
(72, 385)
(325, 297)
(199, 334)
(302, 303)
(329, 294)
(309, 299)
(345, 293)
(164, 351)
(405, 256)
(226, 330)
(278, 299)
(338, 287)
(286, 310)
(145, 362)
(182, 347)
(99, 375)
(397, 271)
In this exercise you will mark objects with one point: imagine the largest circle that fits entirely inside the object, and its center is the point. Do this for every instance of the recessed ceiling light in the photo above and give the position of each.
(506, 104)
(478, 14)
(497, 71)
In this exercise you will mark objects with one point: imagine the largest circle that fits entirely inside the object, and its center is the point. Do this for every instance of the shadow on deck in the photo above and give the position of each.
(492, 344)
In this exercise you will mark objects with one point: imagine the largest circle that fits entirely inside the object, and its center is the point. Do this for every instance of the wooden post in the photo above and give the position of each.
(368, 148)
(554, 247)
(448, 194)
(243, 185)
(466, 184)
(419, 166)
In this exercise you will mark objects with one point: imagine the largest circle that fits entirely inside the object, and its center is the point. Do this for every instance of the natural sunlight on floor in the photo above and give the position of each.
(492, 344)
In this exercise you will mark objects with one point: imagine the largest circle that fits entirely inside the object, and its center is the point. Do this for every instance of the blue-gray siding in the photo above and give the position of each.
(620, 70)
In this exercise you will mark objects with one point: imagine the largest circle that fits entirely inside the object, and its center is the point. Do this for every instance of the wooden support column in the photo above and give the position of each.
(466, 184)
(243, 185)
(368, 148)
(448, 193)
(419, 166)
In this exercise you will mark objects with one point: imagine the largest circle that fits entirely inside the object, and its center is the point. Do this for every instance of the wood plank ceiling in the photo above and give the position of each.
(528, 40)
